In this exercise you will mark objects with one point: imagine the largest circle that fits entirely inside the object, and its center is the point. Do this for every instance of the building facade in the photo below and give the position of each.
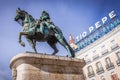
(102, 57)
(101, 51)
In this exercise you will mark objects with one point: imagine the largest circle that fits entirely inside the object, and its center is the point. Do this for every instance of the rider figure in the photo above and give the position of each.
(45, 16)
(47, 25)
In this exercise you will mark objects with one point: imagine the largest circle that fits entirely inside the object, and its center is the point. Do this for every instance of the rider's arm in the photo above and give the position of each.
(50, 26)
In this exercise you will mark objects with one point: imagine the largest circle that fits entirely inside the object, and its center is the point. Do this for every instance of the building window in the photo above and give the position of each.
(99, 69)
(104, 50)
(95, 55)
(118, 58)
(87, 59)
(90, 72)
(109, 64)
(90, 69)
(118, 55)
(114, 45)
(99, 65)
(108, 61)
(103, 47)
(113, 42)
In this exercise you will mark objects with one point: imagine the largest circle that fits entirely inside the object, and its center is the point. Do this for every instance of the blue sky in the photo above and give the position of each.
(72, 16)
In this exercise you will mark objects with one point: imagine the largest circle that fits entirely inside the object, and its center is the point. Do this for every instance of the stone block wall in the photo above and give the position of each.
(31, 66)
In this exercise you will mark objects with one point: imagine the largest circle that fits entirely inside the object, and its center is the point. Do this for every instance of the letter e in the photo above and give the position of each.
(112, 14)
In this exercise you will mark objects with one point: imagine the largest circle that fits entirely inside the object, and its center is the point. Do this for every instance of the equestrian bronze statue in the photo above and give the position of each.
(41, 30)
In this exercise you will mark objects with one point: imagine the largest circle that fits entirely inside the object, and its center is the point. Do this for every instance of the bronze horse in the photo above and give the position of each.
(31, 34)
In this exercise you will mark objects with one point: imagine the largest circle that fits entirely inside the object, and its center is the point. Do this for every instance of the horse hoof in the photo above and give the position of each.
(22, 44)
(73, 56)
(55, 52)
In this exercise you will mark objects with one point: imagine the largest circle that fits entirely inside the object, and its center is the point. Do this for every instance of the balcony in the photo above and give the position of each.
(91, 74)
(110, 66)
(114, 46)
(100, 70)
(104, 51)
(95, 56)
(118, 62)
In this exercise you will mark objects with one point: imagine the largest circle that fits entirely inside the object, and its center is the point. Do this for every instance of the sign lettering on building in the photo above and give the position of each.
(100, 28)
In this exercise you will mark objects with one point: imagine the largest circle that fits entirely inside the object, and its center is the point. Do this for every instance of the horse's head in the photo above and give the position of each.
(20, 15)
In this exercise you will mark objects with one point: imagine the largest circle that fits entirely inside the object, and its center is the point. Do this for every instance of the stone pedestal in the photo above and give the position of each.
(31, 66)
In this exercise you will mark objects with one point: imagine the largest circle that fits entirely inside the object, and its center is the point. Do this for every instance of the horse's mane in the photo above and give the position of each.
(28, 14)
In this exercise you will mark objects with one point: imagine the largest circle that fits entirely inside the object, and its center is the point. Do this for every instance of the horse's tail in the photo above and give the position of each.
(71, 50)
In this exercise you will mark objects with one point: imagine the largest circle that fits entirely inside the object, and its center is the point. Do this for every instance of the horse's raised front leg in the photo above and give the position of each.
(32, 44)
(20, 35)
